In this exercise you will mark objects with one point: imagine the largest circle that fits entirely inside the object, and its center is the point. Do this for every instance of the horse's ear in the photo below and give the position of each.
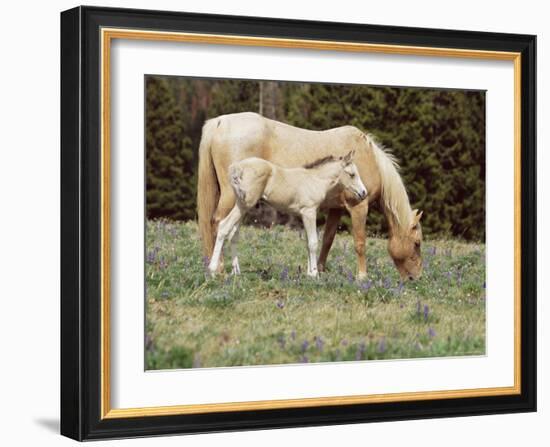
(416, 218)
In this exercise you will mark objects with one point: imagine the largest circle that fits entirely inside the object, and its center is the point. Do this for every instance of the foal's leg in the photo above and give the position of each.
(358, 228)
(225, 228)
(225, 205)
(234, 239)
(333, 218)
(309, 218)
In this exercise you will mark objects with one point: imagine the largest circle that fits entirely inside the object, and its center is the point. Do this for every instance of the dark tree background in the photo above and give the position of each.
(437, 135)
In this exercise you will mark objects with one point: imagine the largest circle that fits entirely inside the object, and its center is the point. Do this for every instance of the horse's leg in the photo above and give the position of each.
(225, 228)
(310, 225)
(358, 228)
(333, 219)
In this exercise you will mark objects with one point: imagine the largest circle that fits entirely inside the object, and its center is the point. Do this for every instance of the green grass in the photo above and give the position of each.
(272, 313)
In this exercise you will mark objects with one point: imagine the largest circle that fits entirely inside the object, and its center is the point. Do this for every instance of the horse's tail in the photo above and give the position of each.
(207, 189)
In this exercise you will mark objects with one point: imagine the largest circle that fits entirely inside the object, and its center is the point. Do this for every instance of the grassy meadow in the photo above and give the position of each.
(273, 313)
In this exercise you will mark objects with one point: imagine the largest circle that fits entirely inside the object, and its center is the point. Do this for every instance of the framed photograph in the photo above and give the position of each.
(275, 223)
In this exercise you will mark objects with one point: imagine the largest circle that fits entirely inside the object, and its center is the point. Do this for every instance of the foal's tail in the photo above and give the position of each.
(207, 189)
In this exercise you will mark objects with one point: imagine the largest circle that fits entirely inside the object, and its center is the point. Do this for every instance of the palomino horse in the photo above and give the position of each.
(230, 138)
(298, 191)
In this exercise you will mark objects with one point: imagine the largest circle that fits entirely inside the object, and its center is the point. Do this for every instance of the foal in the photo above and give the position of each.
(297, 191)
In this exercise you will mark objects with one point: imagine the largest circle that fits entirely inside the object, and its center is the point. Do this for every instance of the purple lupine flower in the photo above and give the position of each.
(344, 342)
(431, 333)
(360, 351)
(148, 342)
(319, 343)
(284, 274)
(400, 287)
(151, 256)
(197, 361)
(350, 277)
(281, 340)
(304, 359)
(432, 251)
(381, 345)
(280, 304)
(365, 287)
(448, 275)
(387, 282)
(305, 345)
(426, 312)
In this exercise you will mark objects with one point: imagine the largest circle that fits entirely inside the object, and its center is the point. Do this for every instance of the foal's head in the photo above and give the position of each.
(349, 176)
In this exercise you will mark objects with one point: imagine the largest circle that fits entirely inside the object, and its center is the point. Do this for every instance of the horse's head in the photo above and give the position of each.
(350, 178)
(404, 248)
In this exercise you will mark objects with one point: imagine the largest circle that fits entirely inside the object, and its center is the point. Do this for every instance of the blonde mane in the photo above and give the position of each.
(394, 194)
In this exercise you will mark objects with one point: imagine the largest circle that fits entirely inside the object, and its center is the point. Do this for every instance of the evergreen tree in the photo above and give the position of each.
(170, 190)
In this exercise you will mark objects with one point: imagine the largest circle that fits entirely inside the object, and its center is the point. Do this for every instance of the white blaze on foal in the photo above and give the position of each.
(298, 191)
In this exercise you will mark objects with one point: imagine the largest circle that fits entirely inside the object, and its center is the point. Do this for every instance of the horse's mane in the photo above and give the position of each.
(319, 162)
(394, 195)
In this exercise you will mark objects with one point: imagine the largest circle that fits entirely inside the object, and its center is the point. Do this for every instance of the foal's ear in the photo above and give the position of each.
(347, 159)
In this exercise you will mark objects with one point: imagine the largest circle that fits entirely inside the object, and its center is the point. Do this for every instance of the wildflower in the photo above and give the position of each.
(360, 351)
(281, 340)
(432, 251)
(365, 287)
(387, 282)
(284, 274)
(304, 359)
(305, 345)
(382, 345)
(400, 287)
(151, 256)
(280, 304)
(197, 361)
(148, 343)
(431, 333)
(319, 343)
(426, 312)
(350, 277)
(344, 342)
